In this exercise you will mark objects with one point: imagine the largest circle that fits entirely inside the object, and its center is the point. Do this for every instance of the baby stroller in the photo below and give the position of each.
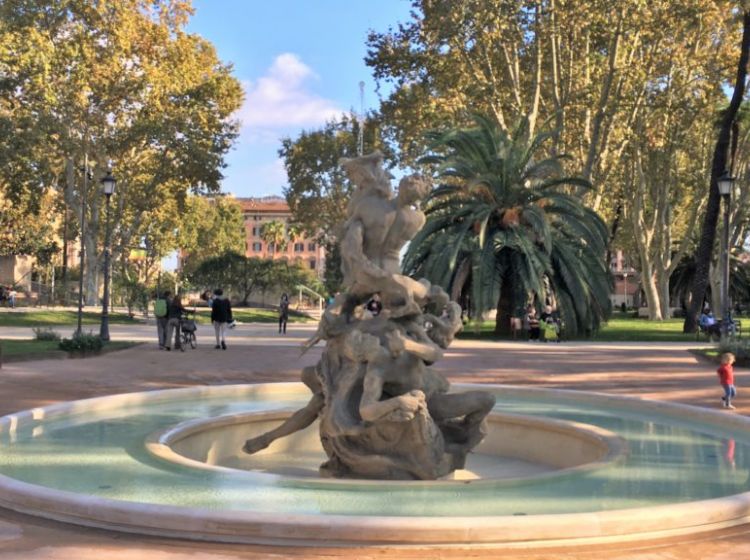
(187, 330)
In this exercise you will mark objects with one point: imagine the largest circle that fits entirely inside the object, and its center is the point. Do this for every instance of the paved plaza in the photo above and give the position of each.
(258, 354)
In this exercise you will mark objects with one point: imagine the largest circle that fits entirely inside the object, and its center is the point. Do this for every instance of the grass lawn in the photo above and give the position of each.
(252, 315)
(620, 328)
(17, 350)
(44, 318)
(623, 329)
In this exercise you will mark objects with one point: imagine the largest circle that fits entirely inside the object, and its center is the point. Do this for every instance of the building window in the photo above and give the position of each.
(311, 246)
(256, 218)
(299, 247)
(312, 264)
(257, 247)
(255, 231)
(271, 247)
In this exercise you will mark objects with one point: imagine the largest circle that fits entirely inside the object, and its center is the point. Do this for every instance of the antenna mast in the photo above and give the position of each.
(361, 134)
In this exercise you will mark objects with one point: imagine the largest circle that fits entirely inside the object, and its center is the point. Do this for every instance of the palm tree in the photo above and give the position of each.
(274, 234)
(502, 221)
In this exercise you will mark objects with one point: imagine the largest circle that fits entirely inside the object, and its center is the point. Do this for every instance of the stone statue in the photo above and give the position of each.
(384, 412)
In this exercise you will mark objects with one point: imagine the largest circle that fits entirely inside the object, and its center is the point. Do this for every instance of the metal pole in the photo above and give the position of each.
(104, 329)
(361, 131)
(83, 232)
(725, 270)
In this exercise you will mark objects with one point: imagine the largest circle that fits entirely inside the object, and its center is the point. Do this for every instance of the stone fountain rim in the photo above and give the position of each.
(570, 529)
(612, 448)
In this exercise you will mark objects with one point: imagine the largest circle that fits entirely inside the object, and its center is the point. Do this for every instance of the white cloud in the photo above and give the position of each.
(282, 98)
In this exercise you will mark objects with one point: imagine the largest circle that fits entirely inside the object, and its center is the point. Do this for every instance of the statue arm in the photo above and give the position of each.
(396, 409)
(423, 348)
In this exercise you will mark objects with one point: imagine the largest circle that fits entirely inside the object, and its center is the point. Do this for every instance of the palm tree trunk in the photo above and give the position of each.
(504, 310)
(719, 165)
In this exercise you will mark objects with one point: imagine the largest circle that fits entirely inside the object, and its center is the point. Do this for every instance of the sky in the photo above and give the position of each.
(300, 63)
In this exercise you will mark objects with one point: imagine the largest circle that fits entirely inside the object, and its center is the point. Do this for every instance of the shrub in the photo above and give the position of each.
(82, 342)
(739, 347)
(45, 333)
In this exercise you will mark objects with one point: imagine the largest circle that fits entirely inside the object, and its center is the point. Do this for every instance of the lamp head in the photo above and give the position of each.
(108, 183)
(725, 183)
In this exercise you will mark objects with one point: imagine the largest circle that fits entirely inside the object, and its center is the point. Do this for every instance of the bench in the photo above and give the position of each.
(711, 331)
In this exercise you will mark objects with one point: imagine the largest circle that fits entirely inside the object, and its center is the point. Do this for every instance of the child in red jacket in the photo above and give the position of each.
(726, 378)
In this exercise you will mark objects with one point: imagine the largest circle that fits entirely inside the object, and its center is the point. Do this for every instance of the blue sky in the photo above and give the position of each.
(300, 62)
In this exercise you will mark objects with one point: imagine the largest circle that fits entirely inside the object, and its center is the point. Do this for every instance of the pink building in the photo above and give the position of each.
(260, 211)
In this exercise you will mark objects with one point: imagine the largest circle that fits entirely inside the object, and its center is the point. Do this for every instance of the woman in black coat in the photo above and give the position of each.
(221, 316)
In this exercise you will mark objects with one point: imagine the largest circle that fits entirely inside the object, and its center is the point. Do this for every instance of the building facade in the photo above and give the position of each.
(259, 211)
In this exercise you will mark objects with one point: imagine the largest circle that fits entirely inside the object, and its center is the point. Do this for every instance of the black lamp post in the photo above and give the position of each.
(108, 188)
(725, 184)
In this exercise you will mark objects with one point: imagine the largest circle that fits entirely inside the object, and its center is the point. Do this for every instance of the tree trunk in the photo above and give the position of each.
(651, 291)
(719, 165)
(463, 270)
(662, 285)
(504, 310)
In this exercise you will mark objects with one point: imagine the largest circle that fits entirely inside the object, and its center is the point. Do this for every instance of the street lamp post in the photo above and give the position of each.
(108, 187)
(725, 183)
(625, 289)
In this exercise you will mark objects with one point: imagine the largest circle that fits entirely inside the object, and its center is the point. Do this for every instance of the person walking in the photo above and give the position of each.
(12, 298)
(283, 313)
(726, 378)
(174, 313)
(532, 323)
(160, 312)
(221, 316)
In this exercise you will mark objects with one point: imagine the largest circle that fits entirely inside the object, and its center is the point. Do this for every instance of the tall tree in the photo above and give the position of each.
(720, 164)
(317, 188)
(502, 210)
(116, 81)
(234, 273)
(209, 227)
(595, 69)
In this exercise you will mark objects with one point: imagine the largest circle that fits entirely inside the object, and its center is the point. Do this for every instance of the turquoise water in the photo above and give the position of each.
(103, 454)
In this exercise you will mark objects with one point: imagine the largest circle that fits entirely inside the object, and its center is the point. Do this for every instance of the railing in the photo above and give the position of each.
(321, 299)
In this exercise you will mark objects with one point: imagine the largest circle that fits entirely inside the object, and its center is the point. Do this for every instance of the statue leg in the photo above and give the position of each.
(472, 406)
(297, 421)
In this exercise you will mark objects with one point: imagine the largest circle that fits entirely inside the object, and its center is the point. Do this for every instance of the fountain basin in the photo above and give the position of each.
(676, 470)
(516, 448)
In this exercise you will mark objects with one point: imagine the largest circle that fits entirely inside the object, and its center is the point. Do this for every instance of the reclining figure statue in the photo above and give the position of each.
(384, 412)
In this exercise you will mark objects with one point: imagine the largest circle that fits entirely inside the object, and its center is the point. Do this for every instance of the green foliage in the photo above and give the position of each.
(241, 276)
(234, 273)
(274, 234)
(333, 278)
(45, 333)
(288, 276)
(119, 80)
(739, 347)
(319, 190)
(210, 227)
(22, 232)
(128, 286)
(507, 214)
(82, 342)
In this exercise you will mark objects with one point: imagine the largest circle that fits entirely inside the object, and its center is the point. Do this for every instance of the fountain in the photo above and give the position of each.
(384, 451)
(384, 413)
